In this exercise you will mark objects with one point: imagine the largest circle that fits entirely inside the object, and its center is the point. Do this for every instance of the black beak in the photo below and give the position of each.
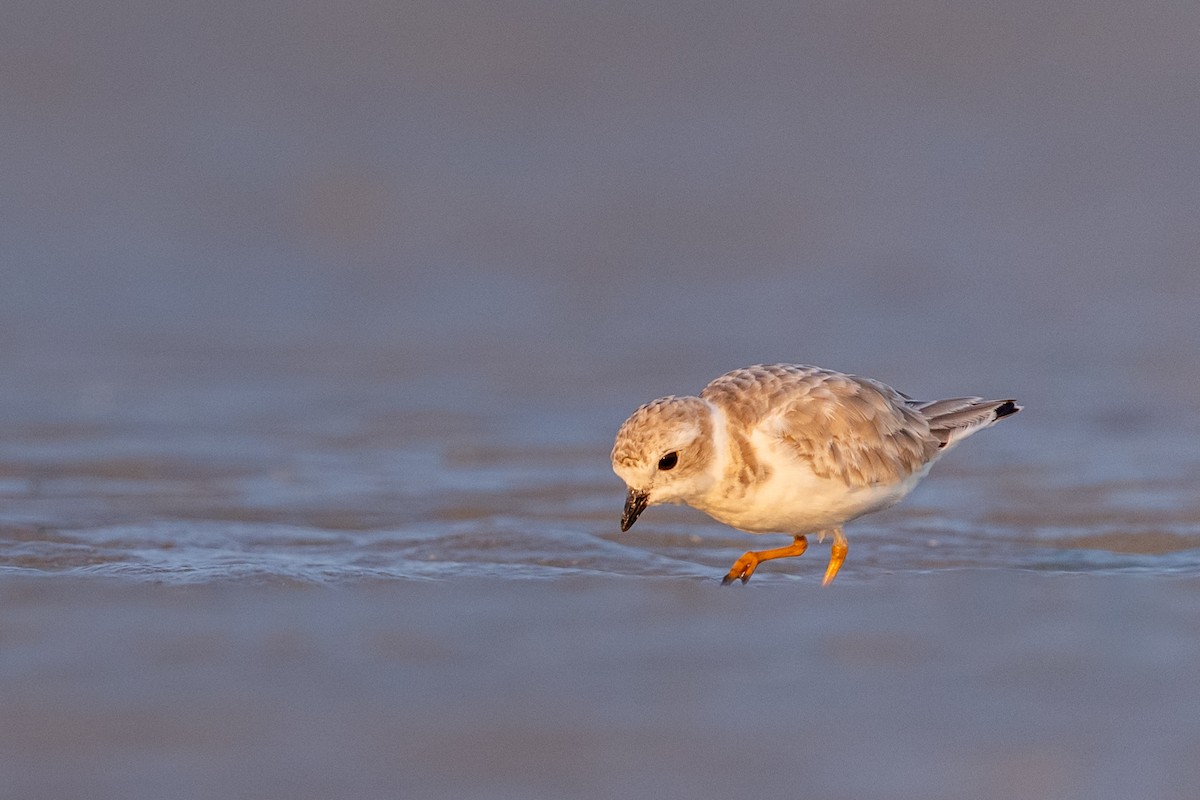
(635, 504)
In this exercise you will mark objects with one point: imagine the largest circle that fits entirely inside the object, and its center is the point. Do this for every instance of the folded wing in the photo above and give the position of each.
(856, 430)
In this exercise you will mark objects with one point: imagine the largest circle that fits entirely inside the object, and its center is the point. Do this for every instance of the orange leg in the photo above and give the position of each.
(837, 554)
(744, 567)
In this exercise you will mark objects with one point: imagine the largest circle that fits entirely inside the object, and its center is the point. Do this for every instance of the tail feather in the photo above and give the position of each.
(935, 408)
(956, 418)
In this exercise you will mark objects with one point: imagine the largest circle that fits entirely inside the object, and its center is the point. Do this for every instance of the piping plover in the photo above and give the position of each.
(791, 449)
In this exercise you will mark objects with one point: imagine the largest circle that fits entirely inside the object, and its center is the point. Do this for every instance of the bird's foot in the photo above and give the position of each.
(742, 569)
(837, 555)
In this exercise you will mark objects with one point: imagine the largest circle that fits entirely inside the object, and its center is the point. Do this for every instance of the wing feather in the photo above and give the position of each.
(855, 430)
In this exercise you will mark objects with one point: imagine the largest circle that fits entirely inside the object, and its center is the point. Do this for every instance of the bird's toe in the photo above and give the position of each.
(741, 570)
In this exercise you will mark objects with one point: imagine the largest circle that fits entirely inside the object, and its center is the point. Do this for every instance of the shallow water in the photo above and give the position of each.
(980, 683)
(423, 496)
(316, 328)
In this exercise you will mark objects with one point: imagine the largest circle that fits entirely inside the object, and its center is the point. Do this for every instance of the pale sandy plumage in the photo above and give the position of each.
(789, 449)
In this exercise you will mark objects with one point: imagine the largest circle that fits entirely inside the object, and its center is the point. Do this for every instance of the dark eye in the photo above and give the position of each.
(668, 461)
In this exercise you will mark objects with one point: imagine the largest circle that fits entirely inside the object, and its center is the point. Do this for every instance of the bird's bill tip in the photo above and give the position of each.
(635, 504)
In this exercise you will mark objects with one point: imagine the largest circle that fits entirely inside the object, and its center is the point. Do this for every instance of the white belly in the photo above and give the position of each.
(795, 500)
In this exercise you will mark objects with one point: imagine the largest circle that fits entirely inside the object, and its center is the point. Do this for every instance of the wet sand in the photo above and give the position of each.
(953, 684)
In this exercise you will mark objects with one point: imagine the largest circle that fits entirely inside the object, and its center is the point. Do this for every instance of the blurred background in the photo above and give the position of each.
(541, 202)
(317, 320)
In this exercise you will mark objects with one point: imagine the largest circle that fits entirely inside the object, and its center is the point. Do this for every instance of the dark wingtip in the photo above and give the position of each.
(1009, 408)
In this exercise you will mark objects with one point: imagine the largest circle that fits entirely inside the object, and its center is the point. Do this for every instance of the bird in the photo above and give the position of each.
(789, 448)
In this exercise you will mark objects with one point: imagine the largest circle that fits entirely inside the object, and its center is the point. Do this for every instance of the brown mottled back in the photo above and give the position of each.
(852, 429)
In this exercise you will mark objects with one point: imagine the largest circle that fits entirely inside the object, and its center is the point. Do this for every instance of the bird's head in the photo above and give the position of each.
(664, 453)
